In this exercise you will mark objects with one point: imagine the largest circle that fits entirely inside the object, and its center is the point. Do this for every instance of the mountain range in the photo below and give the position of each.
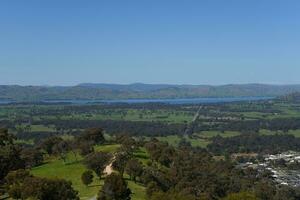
(92, 91)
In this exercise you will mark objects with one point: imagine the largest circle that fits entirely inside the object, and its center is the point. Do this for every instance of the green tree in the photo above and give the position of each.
(21, 185)
(48, 144)
(9, 154)
(14, 182)
(134, 169)
(85, 148)
(87, 177)
(241, 196)
(97, 162)
(171, 195)
(114, 188)
(152, 188)
(61, 149)
(94, 135)
(32, 157)
(120, 161)
(48, 189)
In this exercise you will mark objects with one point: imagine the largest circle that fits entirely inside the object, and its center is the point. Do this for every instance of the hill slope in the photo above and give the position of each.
(114, 91)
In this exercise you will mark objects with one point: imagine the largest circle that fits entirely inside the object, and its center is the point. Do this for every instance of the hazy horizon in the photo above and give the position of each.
(171, 84)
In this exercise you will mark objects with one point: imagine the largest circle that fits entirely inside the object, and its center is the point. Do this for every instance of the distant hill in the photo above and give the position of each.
(90, 91)
(137, 87)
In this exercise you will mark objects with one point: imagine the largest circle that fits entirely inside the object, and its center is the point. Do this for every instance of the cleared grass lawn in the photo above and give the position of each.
(296, 133)
(107, 148)
(72, 170)
(210, 134)
(135, 115)
(142, 155)
(37, 128)
(175, 139)
(138, 191)
(202, 141)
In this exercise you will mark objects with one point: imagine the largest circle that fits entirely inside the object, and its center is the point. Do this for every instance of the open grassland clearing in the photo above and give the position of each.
(73, 169)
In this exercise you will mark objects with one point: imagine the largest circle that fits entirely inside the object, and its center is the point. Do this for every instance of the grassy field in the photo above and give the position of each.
(210, 134)
(142, 155)
(37, 128)
(198, 139)
(296, 133)
(72, 170)
(134, 115)
(175, 139)
(107, 148)
(63, 112)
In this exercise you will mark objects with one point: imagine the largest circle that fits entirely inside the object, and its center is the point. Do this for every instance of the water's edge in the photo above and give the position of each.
(167, 101)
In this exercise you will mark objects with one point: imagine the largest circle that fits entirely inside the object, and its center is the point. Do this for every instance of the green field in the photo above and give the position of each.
(210, 134)
(142, 155)
(296, 133)
(175, 139)
(197, 139)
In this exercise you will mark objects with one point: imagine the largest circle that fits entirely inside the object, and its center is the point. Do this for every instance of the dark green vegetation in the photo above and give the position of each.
(170, 123)
(146, 151)
(138, 91)
(183, 173)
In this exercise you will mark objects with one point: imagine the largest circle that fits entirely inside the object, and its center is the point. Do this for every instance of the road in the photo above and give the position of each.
(190, 127)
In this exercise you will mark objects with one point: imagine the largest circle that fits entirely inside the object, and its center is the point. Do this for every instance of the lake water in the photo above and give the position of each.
(168, 101)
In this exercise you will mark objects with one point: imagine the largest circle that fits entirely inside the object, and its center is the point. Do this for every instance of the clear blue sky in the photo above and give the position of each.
(65, 42)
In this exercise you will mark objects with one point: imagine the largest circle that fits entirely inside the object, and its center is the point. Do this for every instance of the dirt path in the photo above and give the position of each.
(109, 169)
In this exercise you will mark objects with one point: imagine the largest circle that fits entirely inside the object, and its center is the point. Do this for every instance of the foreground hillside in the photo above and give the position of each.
(114, 91)
(93, 166)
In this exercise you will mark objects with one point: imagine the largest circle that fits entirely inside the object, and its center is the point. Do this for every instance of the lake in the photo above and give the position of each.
(168, 101)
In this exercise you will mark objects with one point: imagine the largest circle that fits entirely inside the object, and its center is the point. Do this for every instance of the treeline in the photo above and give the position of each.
(16, 160)
(254, 143)
(277, 124)
(40, 135)
(134, 128)
(191, 173)
(183, 173)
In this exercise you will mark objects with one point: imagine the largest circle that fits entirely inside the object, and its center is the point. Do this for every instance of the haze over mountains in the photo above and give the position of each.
(91, 91)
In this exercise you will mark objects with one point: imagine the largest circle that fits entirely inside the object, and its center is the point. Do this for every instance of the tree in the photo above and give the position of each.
(32, 157)
(265, 190)
(87, 177)
(97, 162)
(94, 135)
(120, 161)
(171, 195)
(49, 143)
(114, 188)
(85, 148)
(9, 154)
(134, 169)
(50, 189)
(152, 188)
(21, 185)
(61, 149)
(128, 143)
(241, 196)
(14, 182)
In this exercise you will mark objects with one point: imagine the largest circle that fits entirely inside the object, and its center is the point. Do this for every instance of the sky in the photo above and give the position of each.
(67, 42)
